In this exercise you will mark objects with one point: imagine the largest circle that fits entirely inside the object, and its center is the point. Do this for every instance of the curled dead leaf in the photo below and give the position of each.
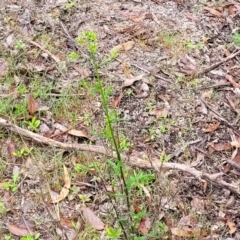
(212, 128)
(92, 218)
(65, 190)
(187, 64)
(213, 11)
(17, 231)
(159, 113)
(34, 105)
(79, 133)
(232, 226)
(130, 81)
(123, 46)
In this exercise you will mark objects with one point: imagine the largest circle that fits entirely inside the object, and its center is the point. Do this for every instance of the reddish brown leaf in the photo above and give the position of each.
(116, 101)
(232, 226)
(220, 146)
(213, 11)
(231, 80)
(212, 128)
(17, 231)
(237, 159)
(92, 218)
(32, 104)
(159, 113)
(144, 225)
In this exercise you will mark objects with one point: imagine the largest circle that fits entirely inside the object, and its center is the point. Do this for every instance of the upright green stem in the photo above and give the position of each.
(105, 105)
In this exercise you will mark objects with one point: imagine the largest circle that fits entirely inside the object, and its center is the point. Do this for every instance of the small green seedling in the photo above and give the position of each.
(236, 38)
(113, 233)
(84, 199)
(30, 237)
(20, 45)
(70, 5)
(12, 185)
(33, 124)
(164, 157)
(73, 56)
(23, 152)
(2, 208)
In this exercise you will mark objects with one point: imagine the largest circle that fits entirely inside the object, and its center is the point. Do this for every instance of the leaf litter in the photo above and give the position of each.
(176, 39)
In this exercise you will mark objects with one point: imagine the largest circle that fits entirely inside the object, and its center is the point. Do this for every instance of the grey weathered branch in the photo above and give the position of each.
(215, 179)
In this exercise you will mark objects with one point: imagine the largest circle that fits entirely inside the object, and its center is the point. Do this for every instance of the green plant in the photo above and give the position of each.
(30, 237)
(2, 208)
(12, 185)
(73, 56)
(23, 152)
(89, 39)
(84, 199)
(70, 5)
(164, 157)
(20, 45)
(33, 124)
(236, 38)
(113, 233)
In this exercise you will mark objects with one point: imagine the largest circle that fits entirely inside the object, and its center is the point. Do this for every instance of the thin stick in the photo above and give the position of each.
(56, 59)
(215, 65)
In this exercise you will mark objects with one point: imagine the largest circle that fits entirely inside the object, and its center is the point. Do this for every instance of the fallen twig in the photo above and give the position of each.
(56, 59)
(215, 65)
(132, 161)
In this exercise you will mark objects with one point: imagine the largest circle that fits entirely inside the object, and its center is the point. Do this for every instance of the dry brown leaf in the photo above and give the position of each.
(187, 64)
(83, 72)
(190, 16)
(236, 159)
(65, 190)
(212, 128)
(79, 133)
(207, 94)
(17, 231)
(213, 11)
(3, 67)
(220, 146)
(32, 104)
(144, 225)
(231, 80)
(197, 205)
(67, 179)
(123, 46)
(232, 226)
(116, 101)
(159, 113)
(92, 218)
(130, 81)
(126, 69)
(189, 232)
(182, 232)
(63, 194)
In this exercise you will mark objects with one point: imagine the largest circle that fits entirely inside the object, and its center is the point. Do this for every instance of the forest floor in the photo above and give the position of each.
(169, 71)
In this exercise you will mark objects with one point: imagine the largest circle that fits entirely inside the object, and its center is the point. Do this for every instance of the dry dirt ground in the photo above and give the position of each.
(174, 85)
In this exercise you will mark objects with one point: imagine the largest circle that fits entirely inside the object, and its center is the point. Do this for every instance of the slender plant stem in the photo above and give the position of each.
(109, 123)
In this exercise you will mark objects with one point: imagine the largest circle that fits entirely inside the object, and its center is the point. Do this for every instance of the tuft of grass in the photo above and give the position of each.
(236, 38)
